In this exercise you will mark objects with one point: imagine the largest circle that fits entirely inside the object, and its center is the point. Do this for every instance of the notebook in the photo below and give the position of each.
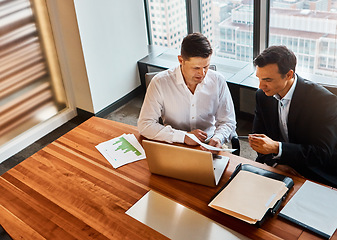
(184, 163)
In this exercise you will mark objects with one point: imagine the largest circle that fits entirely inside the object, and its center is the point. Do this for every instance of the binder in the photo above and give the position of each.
(3, 234)
(313, 207)
(252, 170)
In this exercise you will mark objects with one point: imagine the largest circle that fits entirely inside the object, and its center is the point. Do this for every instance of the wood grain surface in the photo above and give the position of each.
(68, 190)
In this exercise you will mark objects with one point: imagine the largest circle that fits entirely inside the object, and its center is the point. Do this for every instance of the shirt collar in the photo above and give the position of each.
(290, 93)
(179, 76)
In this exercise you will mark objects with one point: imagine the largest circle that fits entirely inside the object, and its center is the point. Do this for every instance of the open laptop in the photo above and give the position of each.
(184, 163)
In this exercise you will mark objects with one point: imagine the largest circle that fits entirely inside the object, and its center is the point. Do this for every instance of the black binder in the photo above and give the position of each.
(289, 183)
(3, 234)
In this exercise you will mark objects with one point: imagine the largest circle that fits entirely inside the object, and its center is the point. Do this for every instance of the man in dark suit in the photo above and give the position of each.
(295, 122)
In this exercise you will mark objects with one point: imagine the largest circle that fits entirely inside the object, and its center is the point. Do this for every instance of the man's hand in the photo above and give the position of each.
(215, 142)
(263, 144)
(201, 135)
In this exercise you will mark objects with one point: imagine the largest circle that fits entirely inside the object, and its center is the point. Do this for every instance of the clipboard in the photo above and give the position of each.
(289, 183)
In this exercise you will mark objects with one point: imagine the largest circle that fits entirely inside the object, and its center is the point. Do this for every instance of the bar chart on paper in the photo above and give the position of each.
(121, 150)
(125, 147)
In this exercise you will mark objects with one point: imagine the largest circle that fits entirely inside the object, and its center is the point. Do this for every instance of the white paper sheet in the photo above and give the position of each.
(313, 206)
(122, 150)
(194, 138)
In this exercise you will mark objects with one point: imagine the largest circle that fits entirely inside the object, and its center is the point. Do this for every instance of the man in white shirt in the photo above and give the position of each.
(189, 98)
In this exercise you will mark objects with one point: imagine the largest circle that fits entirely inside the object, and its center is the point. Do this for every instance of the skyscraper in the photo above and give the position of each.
(168, 22)
(310, 34)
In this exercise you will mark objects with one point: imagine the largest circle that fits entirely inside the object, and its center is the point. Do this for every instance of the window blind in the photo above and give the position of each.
(26, 90)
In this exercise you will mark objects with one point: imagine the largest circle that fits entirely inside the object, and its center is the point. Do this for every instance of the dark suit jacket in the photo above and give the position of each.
(312, 130)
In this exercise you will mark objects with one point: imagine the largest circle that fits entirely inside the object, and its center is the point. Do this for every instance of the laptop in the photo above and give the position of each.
(184, 163)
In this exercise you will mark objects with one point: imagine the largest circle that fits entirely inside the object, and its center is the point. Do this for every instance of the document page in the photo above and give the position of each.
(209, 147)
(248, 196)
(314, 207)
(121, 150)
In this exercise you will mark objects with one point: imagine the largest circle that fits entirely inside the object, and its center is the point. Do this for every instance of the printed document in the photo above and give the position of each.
(122, 150)
(209, 147)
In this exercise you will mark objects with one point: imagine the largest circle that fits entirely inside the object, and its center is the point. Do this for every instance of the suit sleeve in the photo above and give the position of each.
(259, 127)
(320, 153)
(258, 124)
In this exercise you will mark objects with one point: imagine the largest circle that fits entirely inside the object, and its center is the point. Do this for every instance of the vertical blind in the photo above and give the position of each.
(26, 90)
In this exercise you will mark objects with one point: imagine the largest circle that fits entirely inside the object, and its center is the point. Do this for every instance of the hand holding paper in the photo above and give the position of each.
(194, 138)
(198, 133)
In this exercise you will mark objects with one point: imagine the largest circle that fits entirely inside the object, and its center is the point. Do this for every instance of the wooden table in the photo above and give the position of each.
(68, 190)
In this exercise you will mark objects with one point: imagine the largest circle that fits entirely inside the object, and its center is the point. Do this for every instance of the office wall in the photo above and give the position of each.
(68, 43)
(113, 37)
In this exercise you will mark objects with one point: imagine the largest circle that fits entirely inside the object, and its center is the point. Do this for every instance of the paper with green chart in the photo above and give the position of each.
(121, 150)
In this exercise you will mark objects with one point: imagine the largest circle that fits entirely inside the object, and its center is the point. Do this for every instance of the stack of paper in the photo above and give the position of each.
(121, 150)
(249, 196)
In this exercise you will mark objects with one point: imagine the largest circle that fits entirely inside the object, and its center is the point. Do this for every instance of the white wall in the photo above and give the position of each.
(113, 36)
(68, 44)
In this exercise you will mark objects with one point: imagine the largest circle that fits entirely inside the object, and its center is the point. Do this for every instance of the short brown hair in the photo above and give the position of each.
(281, 55)
(196, 45)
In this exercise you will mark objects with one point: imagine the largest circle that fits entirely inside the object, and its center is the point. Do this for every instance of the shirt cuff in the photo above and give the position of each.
(179, 136)
(279, 151)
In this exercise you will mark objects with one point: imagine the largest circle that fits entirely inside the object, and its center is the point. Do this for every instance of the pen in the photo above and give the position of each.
(208, 138)
(246, 137)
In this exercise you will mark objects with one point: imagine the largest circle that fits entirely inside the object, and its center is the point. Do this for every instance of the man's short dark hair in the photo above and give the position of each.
(281, 55)
(196, 45)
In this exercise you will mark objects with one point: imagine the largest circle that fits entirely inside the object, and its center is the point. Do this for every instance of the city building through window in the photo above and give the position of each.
(168, 22)
(307, 27)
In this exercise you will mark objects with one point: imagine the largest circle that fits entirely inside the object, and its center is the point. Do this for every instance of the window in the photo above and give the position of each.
(307, 27)
(313, 24)
(224, 19)
(31, 89)
(170, 22)
(322, 62)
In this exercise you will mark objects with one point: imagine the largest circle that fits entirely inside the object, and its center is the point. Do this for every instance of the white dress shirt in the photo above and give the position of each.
(283, 111)
(210, 108)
